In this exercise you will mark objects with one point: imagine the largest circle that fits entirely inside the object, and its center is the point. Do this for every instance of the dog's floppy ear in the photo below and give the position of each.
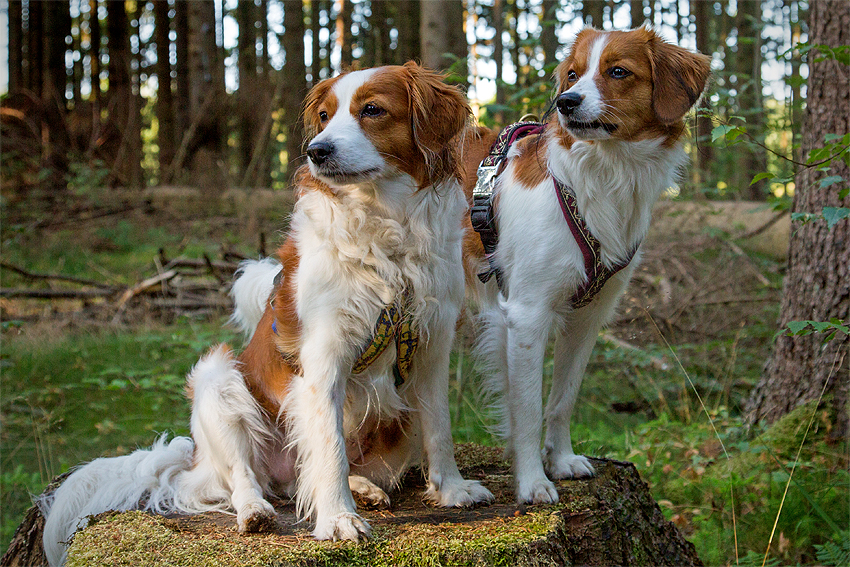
(678, 79)
(438, 112)
(312, 124)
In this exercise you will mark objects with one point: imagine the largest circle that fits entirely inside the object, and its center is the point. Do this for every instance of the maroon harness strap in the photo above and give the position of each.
(483, 220)
(597, 273)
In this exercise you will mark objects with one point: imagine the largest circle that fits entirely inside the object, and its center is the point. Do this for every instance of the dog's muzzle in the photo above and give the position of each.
(567, 102)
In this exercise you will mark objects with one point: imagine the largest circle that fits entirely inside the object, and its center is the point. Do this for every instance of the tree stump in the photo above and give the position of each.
(610, 519)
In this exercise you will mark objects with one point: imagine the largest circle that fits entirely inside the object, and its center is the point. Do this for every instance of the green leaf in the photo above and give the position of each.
(803, 217)
(798, 328)
(726, 132)
(831, 180)
(843, 193)
(760, 176)
(835, 214)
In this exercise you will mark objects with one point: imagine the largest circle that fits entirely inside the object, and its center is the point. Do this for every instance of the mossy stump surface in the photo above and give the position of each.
(610, 519)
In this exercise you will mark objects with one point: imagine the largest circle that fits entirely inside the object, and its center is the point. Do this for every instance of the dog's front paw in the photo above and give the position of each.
(570, 466)
(460, 494)
(342, 526)
(256, 516)
(539, 491)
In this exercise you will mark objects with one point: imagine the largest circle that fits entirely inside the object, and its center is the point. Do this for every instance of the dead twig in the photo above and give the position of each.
(10, 292)
(59, 277)
(139, 288)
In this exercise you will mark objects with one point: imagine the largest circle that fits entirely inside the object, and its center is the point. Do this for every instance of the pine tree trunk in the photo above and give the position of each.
(593, 10)
(94, 57)
(752, 159)
(549, 32)
(35, 48)
(409, 44)
(817, 284)
(441, 32)
(701, 11)
(343, 31)
(16, 38)
(293, 74)
(636, 12)
(249, 88)
(164, 97)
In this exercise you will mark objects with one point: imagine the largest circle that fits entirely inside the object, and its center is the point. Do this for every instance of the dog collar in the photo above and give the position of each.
(394, 323)
(483, 219)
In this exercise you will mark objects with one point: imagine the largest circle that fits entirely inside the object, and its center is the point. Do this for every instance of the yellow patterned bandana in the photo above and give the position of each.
(393, 323)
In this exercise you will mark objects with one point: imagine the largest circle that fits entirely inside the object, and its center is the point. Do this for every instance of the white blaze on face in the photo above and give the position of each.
(592, 105)
(354, 157)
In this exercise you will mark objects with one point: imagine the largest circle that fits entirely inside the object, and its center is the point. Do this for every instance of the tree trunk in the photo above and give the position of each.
(610, 519)
(636, 12)
(817, 284)
(752, 159)
(701, 12)
(441, 32)
(249, 87)
(549, 32)
(409, 44)
(35, 48)
(296, 85)
(94, 57)
(499, 57)
(379, 31)
(16, 46)
(164, 98)
(343, 34)
(592, 12)
(183, 104)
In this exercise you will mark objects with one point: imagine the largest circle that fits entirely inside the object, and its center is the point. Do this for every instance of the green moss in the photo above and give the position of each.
(140, 539)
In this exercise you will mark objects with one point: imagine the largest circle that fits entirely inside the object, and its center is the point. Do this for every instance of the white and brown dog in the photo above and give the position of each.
(571, 207)
(344, 383)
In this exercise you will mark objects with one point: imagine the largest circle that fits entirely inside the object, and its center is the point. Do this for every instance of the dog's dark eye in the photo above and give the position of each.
(618, 73)
(323, 116)
(571, 76)
(372, 110)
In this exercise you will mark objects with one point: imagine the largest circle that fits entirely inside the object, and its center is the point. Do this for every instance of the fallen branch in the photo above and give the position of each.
(59, 277)
(11, 292)
(130, 293)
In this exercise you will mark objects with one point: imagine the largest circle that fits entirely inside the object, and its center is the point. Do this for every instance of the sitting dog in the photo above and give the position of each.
(562, 212)
(344, 383)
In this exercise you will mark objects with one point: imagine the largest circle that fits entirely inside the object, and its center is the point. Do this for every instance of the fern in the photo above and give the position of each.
(832, 553)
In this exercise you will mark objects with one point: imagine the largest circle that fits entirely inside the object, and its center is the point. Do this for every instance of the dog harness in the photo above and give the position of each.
(484, 222)
(394, 323)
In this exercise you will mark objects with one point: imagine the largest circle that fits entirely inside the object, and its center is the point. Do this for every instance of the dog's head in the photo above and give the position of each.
(627, 85)
(376, 123)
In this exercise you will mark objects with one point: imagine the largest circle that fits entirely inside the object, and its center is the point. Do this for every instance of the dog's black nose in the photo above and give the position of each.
(319, 152)
(567, 102)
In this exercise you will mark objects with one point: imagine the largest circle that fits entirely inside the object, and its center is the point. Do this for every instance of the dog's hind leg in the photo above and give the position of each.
(230, 433)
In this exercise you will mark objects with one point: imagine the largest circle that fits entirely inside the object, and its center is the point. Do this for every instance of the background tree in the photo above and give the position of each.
(817, 284)
(442, 34)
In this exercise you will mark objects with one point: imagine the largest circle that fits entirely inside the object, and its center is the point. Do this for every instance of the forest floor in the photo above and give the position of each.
(102, 372)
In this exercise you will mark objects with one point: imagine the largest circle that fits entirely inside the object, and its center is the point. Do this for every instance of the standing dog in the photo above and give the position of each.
(571, 207)
(344, 383)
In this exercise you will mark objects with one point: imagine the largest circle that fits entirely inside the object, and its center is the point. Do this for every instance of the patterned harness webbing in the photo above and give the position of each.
(597, 273)
(394, 322)
(483, 220)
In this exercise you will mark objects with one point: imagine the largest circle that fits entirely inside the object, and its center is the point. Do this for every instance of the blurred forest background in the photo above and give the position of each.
(208, 93)
(146, 147)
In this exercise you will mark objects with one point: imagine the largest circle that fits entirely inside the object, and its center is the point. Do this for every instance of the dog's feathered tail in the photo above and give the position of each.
(250, 292)
(178, 476)
(145, 479)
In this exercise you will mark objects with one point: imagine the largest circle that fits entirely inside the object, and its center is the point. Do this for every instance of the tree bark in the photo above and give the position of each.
(409, 44)
(753, 159)
(610, 519)
(94, 57)
(549, 32)
(499, 57)
(441, 32)
(35, 48)
(592, 12)
(636, 12)
(164, 97)
(343, 34)
(249, 85)
(817, 283)
(16, 45)
(293, 74)
(701, 14)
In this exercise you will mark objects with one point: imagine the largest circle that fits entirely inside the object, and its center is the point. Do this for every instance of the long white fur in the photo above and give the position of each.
(616, 184)
(357, 251)
(251, 291)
